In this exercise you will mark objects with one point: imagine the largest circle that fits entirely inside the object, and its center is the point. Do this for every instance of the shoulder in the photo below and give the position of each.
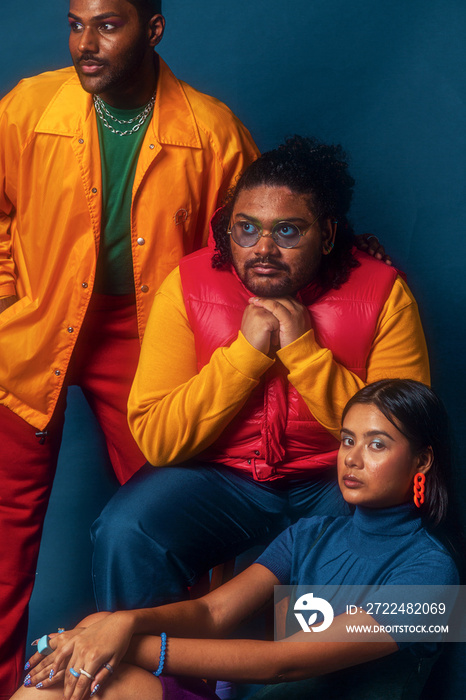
(292, 545)
(208, 109)
(171, 287)
(25, 104)
(308, 531)
(36, 92)
(371, 281)
(371, 267)
(426, 562)
(216, 120)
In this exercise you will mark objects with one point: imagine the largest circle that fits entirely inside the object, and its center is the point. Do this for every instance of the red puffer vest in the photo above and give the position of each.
(275, 435)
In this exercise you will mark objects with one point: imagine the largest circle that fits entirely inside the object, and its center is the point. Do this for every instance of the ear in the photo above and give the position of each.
(328, 230)
(156, 29)
(425, 460)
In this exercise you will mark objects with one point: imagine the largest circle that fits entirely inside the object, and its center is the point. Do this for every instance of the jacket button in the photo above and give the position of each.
(94, 190)
(249, 461)
(151, 146)
(57, 372)
(144, 288)
(256, 452)
(84, 285)
(81, 141)
(141, 241)
(70, 329)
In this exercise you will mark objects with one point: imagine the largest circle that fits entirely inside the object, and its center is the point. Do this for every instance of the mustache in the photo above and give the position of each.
(91, 57)
(266, 260)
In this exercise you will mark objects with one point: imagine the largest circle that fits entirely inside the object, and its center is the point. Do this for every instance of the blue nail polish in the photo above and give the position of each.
(51, 674)
(27, 681)
(95, 690)
(40, 685)
(27, 667)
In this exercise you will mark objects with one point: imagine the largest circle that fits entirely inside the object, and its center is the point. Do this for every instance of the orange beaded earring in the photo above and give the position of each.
(419, 483)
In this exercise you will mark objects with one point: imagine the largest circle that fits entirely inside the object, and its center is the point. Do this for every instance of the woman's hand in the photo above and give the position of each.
(40, 666)
(89, 649)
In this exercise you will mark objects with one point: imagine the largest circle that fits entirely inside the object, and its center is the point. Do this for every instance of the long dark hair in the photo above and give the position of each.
(306, 167)
(417, 412)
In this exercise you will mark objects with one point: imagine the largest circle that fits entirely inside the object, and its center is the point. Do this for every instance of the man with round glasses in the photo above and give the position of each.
(253, 346)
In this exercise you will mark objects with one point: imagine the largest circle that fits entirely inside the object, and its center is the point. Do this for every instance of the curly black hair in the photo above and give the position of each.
(307, 167)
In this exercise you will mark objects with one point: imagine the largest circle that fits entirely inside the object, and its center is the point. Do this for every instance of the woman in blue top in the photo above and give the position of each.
(393, 432)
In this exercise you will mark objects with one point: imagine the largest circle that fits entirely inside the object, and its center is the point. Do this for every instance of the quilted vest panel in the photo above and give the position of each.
(275, 435)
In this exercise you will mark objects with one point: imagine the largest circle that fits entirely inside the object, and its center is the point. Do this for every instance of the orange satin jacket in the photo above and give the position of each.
(50, 210)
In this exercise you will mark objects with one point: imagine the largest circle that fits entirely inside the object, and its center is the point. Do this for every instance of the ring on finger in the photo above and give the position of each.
(108, 667)
(85, 673)
(43, 646)
(74, 673)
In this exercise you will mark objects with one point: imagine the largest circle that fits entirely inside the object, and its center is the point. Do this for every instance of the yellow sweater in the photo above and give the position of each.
(176, 412)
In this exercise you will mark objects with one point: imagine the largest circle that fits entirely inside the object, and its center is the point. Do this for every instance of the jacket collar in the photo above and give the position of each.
(173, 122)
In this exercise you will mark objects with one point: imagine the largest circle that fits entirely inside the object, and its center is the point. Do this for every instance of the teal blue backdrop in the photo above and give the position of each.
(386, 80)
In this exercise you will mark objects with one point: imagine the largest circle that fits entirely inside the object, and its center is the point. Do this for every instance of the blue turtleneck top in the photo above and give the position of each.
(373, 547)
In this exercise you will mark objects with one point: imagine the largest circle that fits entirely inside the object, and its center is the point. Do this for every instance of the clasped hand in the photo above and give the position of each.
(269, 324)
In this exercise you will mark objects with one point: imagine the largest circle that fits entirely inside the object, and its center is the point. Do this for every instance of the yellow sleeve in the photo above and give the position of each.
(174, 411)
(398, 351)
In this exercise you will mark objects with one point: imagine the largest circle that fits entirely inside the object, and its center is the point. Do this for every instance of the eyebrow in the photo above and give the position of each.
(291, 219)
(97, 18)
(369, 433)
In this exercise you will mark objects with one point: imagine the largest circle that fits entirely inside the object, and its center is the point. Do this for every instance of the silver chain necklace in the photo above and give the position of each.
(138, 120)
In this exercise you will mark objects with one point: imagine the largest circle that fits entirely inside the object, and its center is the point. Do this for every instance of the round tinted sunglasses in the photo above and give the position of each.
(285, 234)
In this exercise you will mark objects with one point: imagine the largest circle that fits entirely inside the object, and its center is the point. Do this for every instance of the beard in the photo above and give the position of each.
(286, 283)
(119, 75)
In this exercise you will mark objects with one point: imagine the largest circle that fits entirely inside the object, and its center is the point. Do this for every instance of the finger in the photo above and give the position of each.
(87, 671)
(275, 339)
(37, 675)
(60, 661)
(72, 675)
(76, 684)
(39, 671)
(281, 311)
(49, 682)
(289, 303)
(82, 688)
(102, 677)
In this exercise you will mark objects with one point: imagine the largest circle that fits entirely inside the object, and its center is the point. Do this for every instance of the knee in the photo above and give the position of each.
(125, 525)
(95, 617)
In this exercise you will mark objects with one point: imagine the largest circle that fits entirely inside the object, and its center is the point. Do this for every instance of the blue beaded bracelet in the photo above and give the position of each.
(163, 649)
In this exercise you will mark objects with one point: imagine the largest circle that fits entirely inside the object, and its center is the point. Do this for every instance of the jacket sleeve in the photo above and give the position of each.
(398, 351)
(9, 155)
(174, 411)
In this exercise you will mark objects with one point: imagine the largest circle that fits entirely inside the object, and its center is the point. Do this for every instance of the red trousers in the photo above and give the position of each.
(103, 365)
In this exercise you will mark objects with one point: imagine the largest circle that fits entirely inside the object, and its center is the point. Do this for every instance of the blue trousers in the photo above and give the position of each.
(167, 526)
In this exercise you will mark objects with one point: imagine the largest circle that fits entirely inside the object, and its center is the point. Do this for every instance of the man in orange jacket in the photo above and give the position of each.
(110, 173)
